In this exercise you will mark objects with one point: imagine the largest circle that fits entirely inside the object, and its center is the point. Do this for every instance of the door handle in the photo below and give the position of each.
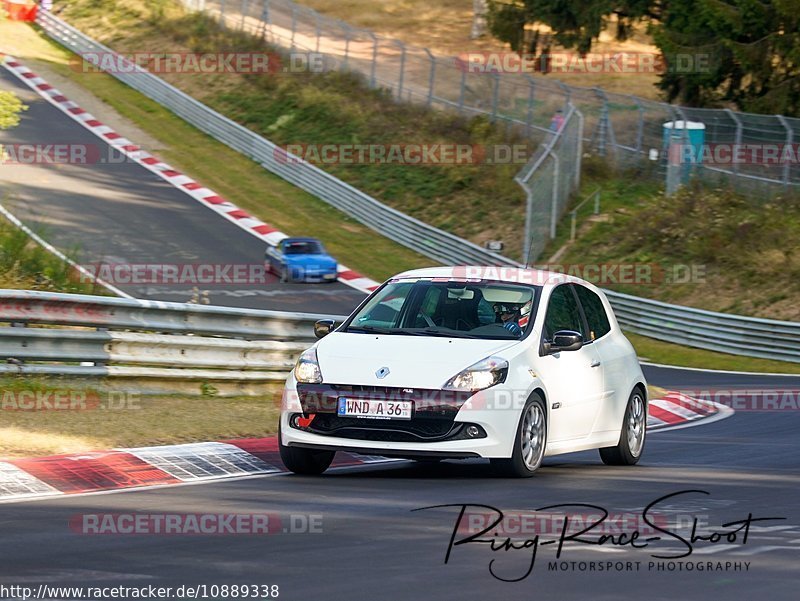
(595, 363)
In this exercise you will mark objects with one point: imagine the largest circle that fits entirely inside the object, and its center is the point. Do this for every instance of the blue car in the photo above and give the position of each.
(301, 260)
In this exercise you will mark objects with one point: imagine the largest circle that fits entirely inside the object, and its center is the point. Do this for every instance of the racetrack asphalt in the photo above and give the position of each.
(120, 213)
(373, 546)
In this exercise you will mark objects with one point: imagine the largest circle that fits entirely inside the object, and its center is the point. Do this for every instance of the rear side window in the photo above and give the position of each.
(563, 313)
(595, 313)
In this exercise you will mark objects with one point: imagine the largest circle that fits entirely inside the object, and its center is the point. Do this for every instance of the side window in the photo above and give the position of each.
(563, 312)
(595, 313)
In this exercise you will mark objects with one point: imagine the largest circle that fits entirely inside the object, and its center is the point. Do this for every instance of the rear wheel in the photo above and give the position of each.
(631, 439)
(308, 462)
(529, 443)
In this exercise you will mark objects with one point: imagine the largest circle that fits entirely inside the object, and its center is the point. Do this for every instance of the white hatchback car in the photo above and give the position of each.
(455, 362)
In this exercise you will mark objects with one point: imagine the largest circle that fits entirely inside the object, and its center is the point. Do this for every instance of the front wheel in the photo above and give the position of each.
(631, 439)
(308, 462)
(529, 442)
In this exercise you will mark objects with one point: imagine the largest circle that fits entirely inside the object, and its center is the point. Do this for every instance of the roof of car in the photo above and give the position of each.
(289, 240)
(502, 273)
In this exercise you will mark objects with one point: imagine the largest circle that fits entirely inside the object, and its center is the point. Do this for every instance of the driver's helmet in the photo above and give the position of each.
(501, 308)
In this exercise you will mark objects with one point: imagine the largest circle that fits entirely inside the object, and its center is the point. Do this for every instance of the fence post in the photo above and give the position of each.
(567, 94)
(431, 76)
(346, 28)
(316, 26)
(402, 68)
(554, 199)
(738, 142)
(244, 9)
(639, 125)
(787, 165)
(495, 95)
(374, 58)
(529, 115)
(265, 19)
(294, 23)
(579, 148)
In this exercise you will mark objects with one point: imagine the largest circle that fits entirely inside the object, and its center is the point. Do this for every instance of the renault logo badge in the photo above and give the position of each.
(382, 373)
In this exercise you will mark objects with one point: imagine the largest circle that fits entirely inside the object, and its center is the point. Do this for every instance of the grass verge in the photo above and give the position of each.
(106, 420)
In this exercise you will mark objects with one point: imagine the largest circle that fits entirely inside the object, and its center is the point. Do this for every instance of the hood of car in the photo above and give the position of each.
(403, 361)
(320, 261)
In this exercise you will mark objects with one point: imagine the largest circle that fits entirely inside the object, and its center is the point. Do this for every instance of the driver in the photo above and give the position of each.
(509, 314)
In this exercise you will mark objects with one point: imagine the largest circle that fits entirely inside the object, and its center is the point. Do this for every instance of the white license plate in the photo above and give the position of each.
(329, 276)
(374, 409)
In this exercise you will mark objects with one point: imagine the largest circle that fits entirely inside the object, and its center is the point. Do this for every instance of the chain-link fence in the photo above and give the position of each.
(549, 179)
(627, 129)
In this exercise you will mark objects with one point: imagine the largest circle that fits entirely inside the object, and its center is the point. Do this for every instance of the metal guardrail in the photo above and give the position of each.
(104, 336)
(161, 340)
(403, 229)
(721, 332)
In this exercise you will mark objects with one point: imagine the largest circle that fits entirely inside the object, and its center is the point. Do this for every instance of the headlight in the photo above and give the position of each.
(483, 374)
(306, 369)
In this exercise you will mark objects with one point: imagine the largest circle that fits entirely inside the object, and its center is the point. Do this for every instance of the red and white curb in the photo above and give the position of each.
(142, 467)
(677, 410)
(205, 196)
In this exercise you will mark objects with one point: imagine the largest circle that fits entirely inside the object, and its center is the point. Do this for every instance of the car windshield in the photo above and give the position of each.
(425, 307)
(303, 247)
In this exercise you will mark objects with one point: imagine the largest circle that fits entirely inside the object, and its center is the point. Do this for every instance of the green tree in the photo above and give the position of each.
(745, 52)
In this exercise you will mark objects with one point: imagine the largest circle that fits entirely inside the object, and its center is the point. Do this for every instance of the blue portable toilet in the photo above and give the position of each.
(683, 145)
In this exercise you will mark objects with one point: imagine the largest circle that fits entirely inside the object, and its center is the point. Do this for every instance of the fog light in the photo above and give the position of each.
(473, 431)
(294, 421)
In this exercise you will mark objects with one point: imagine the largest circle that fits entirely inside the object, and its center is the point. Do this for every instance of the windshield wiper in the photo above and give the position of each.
(441, 333)
(370, 330)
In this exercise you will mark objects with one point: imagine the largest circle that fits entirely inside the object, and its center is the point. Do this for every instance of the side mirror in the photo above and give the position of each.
(565, 340)
(323, 327)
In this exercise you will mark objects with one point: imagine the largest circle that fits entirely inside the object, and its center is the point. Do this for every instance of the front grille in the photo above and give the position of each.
(413, 430)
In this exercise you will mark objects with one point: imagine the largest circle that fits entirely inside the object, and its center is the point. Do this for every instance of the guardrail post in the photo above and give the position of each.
(787, 165)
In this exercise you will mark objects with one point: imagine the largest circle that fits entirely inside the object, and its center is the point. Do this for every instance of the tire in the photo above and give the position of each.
(630, 447)
(307, 462)
(530, 441)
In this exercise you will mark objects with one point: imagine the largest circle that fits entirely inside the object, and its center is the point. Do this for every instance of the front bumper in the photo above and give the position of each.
(440, 424)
